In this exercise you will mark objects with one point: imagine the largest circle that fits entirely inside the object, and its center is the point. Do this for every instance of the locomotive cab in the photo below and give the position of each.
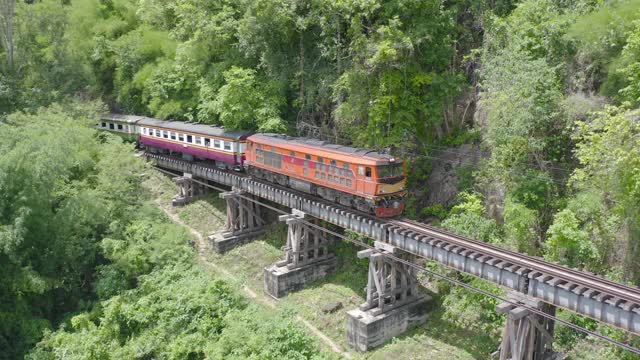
(390, 183)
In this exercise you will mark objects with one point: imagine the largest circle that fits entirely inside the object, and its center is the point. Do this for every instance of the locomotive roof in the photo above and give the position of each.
(327, 146)
(196, 128)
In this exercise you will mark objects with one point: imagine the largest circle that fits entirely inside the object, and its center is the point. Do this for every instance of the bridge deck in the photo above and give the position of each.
(582, 293)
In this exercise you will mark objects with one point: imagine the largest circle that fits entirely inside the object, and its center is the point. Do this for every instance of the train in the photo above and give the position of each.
(362, 179)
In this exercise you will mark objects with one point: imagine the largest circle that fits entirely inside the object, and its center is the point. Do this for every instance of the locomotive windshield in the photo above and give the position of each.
(388, 171)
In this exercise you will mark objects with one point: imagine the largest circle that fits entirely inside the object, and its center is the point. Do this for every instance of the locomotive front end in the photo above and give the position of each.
(390, 192)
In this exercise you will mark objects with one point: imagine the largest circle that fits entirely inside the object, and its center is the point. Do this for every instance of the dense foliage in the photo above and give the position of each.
(548, 90)
(387, 67)
(95, 268)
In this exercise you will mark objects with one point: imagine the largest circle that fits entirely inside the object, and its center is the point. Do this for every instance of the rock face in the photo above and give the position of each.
(448, 166)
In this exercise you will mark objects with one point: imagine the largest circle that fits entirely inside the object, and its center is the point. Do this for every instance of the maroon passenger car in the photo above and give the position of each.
(225, 148)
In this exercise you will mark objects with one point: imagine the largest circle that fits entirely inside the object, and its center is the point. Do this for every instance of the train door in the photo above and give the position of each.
(363, 179)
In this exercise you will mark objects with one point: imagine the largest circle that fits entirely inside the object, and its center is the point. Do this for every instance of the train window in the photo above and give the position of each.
(173, 135)
(367, 172)
(216, 143)
(144, 131)
(180, 137)
(317, 174)
(333, 163)
(342, 181)
(330, 178)
(111, 126)
(392, 170)
(349, 182)
(104, 124)
(227, 145)
(292, 153)
(360, 170)
(322, 176)
(120, 127)
(260, 146)
(165, 134)
(198, 140)
(207, 142)
(305, 172)
(345, 165)
(189, 138)
(307, 156)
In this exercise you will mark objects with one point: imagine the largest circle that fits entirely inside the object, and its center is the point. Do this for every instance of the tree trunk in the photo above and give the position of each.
(7, 13)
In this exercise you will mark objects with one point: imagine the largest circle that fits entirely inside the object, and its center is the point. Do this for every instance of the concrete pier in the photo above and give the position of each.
(280, 280)
(393, 303)
(307, 258)
(366, 331)
(244, 222)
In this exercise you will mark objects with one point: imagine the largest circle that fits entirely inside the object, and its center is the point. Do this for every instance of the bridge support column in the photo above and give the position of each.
(307, 258)
(527, 335)
(393, 303)
(243, 224)
(189, 190)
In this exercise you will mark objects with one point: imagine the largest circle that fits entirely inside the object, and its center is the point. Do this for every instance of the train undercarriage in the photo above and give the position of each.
(388, 206)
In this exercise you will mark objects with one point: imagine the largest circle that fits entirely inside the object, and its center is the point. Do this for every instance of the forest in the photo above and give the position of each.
(546, 93)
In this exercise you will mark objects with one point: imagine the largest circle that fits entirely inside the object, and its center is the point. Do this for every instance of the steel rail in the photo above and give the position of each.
(580, 278)
(602, 285)
(441, 276)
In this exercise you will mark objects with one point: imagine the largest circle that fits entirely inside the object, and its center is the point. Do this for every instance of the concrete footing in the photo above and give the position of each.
(223, 241)
(366, 331)
(279, 280)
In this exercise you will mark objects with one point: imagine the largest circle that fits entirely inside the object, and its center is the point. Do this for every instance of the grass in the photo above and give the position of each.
(243, 266)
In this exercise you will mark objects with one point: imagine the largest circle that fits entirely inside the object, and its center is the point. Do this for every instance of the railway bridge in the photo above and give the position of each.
(394, 303)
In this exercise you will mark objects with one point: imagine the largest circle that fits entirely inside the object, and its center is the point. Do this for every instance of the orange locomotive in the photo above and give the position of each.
(358, 178)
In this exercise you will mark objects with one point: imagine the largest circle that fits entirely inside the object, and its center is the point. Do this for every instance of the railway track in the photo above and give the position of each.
(569, 275)
(579, 278)
(578, 291)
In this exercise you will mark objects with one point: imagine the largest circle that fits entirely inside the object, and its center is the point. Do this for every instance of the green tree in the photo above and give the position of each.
(608, 148)
(466, 307)
(61, 190)
(631, 72)
(243, 103)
